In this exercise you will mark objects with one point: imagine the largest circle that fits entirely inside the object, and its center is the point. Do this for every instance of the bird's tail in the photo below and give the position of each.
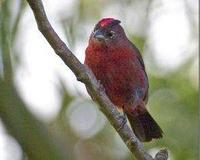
(144, 126)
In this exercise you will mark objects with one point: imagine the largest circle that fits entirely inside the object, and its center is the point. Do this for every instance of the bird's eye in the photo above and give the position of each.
(111, 34)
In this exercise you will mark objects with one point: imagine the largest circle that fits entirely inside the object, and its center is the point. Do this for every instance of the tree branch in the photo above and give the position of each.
(85, 75)
(32, 135)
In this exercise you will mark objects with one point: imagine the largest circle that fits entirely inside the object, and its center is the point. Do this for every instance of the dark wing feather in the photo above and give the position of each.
(139, 56)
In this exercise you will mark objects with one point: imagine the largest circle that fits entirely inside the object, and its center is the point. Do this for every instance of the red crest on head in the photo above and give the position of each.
(108, 22)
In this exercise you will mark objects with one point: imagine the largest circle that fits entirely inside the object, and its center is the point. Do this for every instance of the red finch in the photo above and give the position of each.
(119, 67)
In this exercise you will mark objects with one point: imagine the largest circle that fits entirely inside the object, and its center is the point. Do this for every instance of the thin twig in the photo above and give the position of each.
(85, 75)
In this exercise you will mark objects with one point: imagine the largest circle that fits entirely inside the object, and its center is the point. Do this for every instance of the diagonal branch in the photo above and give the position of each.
(85, 75)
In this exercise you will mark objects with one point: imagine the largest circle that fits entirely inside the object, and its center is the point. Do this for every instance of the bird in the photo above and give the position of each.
(118, 65)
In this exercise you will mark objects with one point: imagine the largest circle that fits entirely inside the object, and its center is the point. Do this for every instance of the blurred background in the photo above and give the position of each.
(40, 89)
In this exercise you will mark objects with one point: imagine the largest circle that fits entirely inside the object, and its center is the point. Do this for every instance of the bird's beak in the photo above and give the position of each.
(99, 35)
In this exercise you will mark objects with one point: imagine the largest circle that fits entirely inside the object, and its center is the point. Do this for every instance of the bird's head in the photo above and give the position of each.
(107, 32)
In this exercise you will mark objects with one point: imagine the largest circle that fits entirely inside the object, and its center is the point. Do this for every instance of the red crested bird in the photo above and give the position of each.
(119, 67)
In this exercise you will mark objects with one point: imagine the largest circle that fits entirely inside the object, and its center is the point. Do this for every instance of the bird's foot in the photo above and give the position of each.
(123, 122)
(101, 87)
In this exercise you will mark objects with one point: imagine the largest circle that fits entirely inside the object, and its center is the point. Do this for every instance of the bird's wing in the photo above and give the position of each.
(140, 59)
(139, 56)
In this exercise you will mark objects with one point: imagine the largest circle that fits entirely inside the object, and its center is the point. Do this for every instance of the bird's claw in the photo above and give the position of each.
(123, 122)
(101, 87)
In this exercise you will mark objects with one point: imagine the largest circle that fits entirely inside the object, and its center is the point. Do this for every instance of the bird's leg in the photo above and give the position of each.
(124, 120)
